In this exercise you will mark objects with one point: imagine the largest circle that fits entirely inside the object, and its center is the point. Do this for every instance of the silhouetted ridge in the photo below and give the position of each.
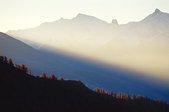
(22, 91)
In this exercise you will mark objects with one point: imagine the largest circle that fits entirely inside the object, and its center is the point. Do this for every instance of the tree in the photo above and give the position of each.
(52, 76)
(43, 75)
(133, 97)
(66, 79)
(127, 97)
(30, 72)
(107, 92)
(140, 97)
(120, 95)
(24, 68)
(10, 62)
(158, 100)
(35, 75)
(86, 85)
(47, 76)
(60, 78)
(96, 90)
(111, 92)
(114, 95)
(17, 66)
(102, 90)
(1, 59)
(5, 59)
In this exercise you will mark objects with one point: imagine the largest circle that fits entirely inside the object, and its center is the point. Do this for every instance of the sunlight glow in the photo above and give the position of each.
(20, 14)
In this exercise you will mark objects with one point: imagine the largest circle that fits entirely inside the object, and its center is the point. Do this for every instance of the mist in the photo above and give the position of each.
(140, 46)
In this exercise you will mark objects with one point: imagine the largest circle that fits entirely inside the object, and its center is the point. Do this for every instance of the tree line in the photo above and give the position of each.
(122, 95)
(115, 95)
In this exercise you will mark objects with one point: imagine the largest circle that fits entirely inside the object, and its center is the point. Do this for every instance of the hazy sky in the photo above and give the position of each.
(18, 14)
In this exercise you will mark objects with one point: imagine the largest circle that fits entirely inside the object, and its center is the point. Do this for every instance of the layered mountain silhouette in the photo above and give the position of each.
(23, 92)
(92, 74)
(130, 45)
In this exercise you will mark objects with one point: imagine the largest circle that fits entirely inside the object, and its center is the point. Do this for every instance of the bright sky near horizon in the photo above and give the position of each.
(20, 14)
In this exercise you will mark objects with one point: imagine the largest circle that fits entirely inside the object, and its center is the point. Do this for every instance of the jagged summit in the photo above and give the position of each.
(88, 18)
(83, 16)
(80, 15)
(157, 16)
(157, 11)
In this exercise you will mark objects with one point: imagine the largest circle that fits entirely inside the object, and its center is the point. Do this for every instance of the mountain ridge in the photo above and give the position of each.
(23, 92)
(148, 37)
(91, 74)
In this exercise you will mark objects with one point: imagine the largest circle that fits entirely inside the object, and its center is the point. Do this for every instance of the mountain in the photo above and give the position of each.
(142, 46)
(23, 92)
(82, 28)
(92, 74)
(158, 17)
(22, 53)
(88, 19)
(153, 26)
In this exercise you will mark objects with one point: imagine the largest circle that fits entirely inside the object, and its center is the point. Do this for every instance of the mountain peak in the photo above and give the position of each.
(83, 16)
(157, 11)
(88, 18)
(158, 16)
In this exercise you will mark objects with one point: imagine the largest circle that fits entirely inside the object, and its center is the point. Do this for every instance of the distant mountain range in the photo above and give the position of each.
(142, 46)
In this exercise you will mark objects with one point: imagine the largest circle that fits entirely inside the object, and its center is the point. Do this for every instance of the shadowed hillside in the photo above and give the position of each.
(23, 92)
(89, 73)
(135, 45)
(23, 53)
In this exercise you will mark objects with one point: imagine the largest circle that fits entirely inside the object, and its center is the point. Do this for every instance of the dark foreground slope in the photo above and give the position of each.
(90, 73)
(22, 92)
